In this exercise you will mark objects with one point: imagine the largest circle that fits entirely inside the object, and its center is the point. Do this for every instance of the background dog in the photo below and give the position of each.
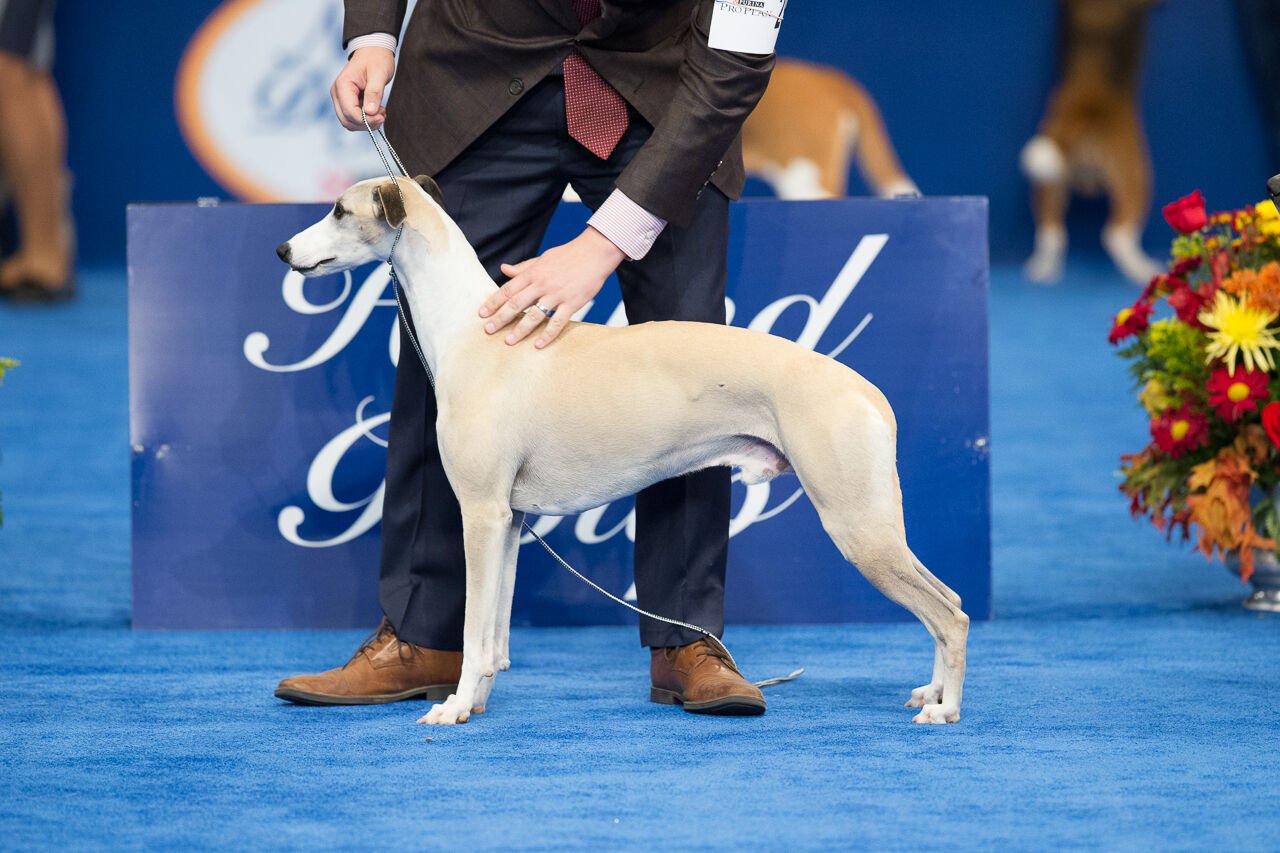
(812, 122)
(1091, 139)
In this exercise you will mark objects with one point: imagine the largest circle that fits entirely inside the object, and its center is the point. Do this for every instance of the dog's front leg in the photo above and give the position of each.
(506, 595)
(485, 531)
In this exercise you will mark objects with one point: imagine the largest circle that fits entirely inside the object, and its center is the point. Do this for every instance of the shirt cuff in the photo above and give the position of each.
(627, 225)
(386, 40)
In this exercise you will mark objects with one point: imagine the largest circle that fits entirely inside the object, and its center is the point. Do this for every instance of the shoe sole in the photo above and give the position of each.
(729, 706)
(302, 697)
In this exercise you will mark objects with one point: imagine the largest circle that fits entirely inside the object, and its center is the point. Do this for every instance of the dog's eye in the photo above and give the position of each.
(338, 211)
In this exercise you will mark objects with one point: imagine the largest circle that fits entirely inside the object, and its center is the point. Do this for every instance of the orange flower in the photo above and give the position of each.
(1258, 289)
(1219, 507)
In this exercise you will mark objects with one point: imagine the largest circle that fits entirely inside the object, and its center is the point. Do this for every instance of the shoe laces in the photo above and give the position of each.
(709, 649)
(373, 641)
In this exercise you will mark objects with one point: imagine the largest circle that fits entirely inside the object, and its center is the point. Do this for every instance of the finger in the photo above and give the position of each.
(530, 321)
(373, 100)
(514, 307)
(555, 325)
(501, 295)
(337, 105)
(512, 270)
(347, 100)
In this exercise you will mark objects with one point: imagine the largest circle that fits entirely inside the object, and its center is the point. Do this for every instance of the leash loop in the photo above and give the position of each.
(413, 339)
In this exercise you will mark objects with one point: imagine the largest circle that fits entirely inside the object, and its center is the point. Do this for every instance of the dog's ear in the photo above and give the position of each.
(432, 188)
(389, 204)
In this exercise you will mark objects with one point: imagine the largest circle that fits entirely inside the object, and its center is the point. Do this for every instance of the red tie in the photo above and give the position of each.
(596, 112)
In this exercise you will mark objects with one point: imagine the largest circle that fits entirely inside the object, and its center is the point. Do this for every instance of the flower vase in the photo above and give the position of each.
(1265, 580)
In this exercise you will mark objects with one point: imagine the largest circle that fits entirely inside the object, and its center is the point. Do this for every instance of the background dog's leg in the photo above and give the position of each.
(1046, 167)
(1128, 174)
(485, 528)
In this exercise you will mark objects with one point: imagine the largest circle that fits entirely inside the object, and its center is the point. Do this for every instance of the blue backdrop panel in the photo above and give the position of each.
(259, 405)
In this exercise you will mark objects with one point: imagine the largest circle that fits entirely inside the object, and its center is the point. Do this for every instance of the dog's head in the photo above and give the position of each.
(361, 227)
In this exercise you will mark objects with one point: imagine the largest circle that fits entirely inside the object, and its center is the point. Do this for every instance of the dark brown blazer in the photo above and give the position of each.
(463, 64)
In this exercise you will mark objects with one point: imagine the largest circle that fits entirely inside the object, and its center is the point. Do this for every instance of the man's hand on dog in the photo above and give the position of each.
(364, 77)
(561, 280)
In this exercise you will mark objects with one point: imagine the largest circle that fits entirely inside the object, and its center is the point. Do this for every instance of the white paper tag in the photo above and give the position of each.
(746, 26)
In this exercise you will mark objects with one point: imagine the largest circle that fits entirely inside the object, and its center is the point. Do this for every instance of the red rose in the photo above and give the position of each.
(1178, 430)
(1271, 422)
(1233, 394)
(1186, 215)
(1131, 321)
(1187, 302)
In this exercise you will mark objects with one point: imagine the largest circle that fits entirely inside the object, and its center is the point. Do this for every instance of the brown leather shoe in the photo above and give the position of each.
(703, 679)
(383, 669)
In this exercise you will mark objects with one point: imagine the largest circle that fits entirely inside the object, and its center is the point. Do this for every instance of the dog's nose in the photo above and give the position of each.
(284, 251)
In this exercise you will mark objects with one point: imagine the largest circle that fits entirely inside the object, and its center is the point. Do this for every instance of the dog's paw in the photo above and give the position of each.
(1044, 267)
(503, 664)
(929, 694)
(450, 712)
(941, 713)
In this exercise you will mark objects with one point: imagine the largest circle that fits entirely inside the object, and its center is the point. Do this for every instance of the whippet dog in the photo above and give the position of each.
(604, 412)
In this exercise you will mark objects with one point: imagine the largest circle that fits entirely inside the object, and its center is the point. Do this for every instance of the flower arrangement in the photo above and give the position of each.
(1207, 373)
(5, 364)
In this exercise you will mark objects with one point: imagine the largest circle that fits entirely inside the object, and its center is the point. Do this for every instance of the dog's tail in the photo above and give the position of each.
(873, 151)
(1042, 161)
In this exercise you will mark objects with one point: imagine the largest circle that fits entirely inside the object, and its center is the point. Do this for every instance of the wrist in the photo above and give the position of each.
(605, 248)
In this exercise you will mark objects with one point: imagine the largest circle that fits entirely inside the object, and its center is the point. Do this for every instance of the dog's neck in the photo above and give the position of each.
(444, 284)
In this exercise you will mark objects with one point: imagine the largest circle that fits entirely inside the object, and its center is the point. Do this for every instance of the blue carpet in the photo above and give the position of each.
(1121, 699)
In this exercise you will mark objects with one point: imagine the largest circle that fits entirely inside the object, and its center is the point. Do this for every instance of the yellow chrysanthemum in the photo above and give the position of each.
(1240, 331)
(1268, 217)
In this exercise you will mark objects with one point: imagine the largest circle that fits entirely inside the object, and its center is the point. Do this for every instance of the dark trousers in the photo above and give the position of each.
(502, 192)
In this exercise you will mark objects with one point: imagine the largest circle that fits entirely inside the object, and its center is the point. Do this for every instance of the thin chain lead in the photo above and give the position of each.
(395, 286)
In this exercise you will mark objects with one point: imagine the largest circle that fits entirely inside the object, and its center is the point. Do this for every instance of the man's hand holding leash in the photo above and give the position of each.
(550, 288)
(366, 75)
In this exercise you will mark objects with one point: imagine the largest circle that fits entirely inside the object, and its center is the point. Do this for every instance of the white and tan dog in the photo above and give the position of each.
(604, 412)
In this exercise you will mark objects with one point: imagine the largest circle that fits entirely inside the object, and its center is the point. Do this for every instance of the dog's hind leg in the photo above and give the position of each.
(889, 567)
(931, 693)
(860, 504)
(486, 530)
(941, 587)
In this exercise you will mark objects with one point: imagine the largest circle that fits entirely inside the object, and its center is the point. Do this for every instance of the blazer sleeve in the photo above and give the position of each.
(363, 17)
(717, 90)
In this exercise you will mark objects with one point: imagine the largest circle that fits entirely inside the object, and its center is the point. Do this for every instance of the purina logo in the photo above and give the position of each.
(252, 99)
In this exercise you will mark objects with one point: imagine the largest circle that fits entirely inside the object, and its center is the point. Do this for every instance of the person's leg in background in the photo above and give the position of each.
(682, 524)
(33, 155)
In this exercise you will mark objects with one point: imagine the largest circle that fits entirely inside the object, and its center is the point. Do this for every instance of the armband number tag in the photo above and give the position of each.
(746, 26)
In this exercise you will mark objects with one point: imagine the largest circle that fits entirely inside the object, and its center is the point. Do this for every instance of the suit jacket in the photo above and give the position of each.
(463, 63)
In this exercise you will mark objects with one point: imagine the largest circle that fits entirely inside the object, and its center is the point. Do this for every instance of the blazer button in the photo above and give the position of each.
(516, 87)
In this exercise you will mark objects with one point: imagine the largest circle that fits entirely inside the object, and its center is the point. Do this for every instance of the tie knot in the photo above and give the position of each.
(586, 10)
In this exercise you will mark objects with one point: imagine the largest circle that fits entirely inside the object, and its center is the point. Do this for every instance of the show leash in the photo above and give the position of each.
(413, 339)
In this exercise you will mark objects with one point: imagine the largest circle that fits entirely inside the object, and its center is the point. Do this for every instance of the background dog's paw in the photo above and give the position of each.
(937, 714)
(929, 694)
(449, 712)
(1044, 268)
